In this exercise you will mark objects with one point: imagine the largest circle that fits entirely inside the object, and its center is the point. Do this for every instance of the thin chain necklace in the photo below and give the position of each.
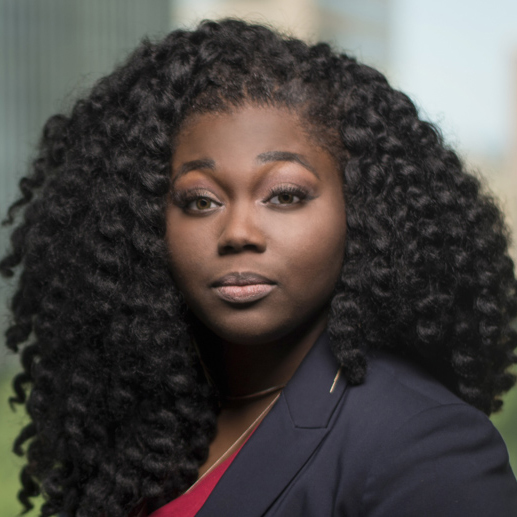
(256, 394)
(237, 442)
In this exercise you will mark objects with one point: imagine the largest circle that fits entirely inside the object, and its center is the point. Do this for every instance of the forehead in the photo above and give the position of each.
(244, 133)
(244, 125)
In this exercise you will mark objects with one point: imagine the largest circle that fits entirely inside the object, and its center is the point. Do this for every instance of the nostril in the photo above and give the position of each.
(234, 247)
(241, 233)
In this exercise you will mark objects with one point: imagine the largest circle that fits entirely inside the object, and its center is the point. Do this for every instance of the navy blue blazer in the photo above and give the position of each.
(399, 445)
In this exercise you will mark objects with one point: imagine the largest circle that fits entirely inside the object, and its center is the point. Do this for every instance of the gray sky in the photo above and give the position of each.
(454, 58)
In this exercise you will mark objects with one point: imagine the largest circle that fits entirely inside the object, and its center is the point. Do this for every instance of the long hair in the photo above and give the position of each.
(120, 410)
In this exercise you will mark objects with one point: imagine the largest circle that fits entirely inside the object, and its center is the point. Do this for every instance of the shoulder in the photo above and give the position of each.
(399, 388)
(399, 396)
(420, 448)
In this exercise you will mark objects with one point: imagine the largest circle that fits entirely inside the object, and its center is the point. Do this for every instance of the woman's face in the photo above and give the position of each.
(256, 226)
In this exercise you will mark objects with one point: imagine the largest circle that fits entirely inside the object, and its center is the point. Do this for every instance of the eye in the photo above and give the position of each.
(201, 203)
(194, 201)
(287, 195)
(285, 198)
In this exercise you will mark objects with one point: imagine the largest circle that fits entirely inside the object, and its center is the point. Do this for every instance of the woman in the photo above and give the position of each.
(237, 229)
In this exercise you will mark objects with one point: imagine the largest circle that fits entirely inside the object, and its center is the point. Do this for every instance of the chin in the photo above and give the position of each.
(249, 335)
(246, 330)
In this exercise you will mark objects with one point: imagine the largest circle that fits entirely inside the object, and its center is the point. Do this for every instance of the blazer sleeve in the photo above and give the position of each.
(446, 461)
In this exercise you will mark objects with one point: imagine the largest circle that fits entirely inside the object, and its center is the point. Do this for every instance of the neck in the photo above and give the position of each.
(242, 369)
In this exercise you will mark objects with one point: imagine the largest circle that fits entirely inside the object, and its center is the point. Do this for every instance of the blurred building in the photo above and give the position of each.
(297, 17)
(51, 50)
(358, 27)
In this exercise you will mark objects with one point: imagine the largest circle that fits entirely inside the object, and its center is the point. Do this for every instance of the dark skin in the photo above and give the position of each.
(256, 234)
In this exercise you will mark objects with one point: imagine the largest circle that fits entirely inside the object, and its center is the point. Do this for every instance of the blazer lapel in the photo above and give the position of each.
(283, 442)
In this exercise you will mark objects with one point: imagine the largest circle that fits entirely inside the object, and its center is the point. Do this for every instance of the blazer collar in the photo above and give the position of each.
(284, 440)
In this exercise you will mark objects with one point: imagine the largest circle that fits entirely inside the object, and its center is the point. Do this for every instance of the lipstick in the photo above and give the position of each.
(243, 287)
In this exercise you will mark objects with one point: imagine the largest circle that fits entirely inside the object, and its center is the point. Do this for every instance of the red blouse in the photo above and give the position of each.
(188, 504)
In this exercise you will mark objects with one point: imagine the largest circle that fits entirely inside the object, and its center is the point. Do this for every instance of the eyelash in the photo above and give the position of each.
(184, 198)
(301, 193)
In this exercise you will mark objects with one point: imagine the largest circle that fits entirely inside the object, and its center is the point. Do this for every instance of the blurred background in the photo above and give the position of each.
(457, 59)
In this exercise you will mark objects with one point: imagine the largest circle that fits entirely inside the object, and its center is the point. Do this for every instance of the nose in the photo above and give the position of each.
(241, 231)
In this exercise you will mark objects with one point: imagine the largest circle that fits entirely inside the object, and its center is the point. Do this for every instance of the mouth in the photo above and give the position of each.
(243, 287)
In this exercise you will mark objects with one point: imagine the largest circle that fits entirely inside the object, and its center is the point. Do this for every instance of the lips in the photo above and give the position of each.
(243, 287)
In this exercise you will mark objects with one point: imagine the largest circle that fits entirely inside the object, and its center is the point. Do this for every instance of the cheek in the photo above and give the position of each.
(318, 249)
(185, 251)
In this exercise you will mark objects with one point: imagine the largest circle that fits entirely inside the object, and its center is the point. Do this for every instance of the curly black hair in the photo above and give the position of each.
(120, 410)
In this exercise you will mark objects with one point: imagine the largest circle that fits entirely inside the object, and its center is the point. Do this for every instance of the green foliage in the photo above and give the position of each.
(10, 465)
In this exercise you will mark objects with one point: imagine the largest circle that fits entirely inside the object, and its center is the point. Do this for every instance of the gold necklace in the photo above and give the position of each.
(256, 394)
(240, 439)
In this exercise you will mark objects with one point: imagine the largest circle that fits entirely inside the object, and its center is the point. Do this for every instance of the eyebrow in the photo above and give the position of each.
(267, 157)
(195, 165)
(285, 156)
(205, 163)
